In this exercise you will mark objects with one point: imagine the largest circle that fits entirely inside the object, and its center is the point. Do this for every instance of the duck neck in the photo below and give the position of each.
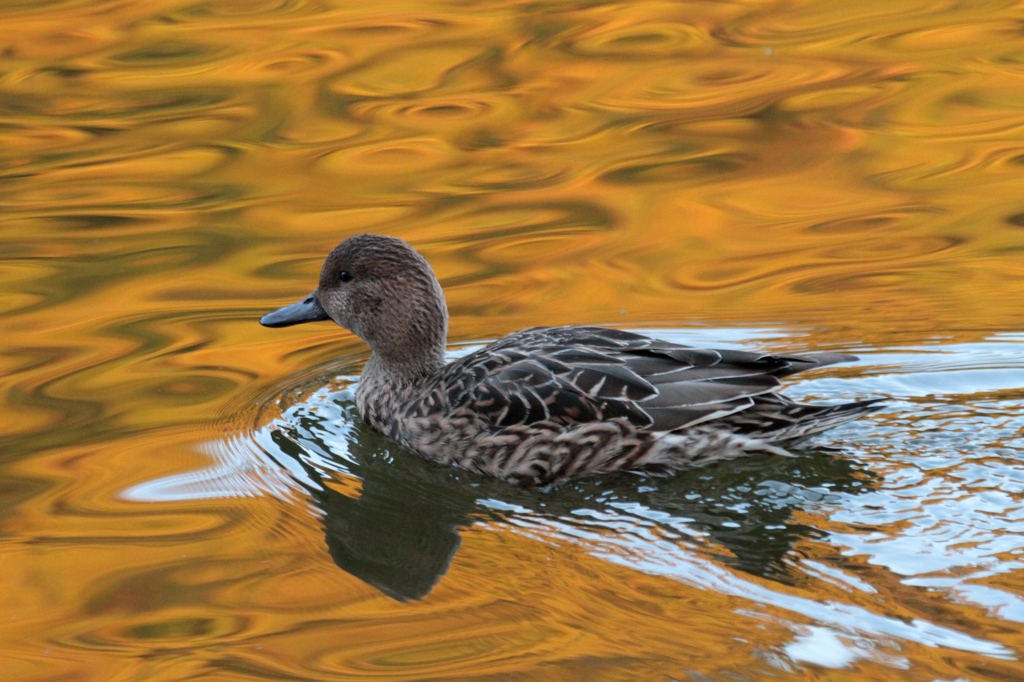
(405, 368)
(407, 346)
(389, 382)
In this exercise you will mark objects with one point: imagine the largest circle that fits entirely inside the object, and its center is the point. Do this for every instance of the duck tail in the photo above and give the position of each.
(822, 418)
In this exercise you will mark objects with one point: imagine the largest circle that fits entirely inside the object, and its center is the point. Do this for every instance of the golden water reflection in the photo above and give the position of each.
(782, 176)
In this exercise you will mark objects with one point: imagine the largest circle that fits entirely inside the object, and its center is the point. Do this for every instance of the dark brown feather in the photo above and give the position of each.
(573, 375)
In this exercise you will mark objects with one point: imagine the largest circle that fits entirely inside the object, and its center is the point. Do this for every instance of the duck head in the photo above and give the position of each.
(383, 291)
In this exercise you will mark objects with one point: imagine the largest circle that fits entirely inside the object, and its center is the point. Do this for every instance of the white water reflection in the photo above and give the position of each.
(944, 509)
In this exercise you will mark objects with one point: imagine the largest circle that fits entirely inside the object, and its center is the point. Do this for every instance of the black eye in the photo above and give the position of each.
(345, 276)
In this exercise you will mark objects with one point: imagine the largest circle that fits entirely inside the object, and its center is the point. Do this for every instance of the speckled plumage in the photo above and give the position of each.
(549, 404)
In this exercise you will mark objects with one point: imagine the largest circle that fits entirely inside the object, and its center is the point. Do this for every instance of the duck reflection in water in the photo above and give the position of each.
(401, 531)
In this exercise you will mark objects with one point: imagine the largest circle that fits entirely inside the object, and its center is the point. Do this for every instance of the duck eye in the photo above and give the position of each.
(345, 276)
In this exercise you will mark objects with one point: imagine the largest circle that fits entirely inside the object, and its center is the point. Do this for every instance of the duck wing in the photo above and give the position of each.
(572, 375)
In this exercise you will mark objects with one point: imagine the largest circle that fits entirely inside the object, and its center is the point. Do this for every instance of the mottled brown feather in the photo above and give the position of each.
(548, 404)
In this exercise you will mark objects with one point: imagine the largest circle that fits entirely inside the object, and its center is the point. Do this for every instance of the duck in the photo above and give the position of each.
(547, 405)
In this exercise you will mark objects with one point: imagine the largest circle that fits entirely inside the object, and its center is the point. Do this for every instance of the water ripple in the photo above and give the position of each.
(818, 175)
(935, 511)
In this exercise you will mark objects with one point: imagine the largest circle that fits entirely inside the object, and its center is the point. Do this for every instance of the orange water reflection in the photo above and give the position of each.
(848, 174)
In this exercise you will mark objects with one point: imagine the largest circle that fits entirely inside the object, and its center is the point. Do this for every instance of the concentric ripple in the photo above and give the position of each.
(911, 524)
(186, 495)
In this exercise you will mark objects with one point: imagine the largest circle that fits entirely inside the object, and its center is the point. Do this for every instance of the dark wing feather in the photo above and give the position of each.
(570, 375)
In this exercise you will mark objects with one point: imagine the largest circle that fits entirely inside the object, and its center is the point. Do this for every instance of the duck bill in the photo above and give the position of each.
(306, 310)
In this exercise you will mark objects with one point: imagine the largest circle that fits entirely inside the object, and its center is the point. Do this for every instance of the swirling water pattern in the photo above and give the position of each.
(184, 495)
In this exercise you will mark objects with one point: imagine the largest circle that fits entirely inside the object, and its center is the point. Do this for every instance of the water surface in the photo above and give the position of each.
(186, 495)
